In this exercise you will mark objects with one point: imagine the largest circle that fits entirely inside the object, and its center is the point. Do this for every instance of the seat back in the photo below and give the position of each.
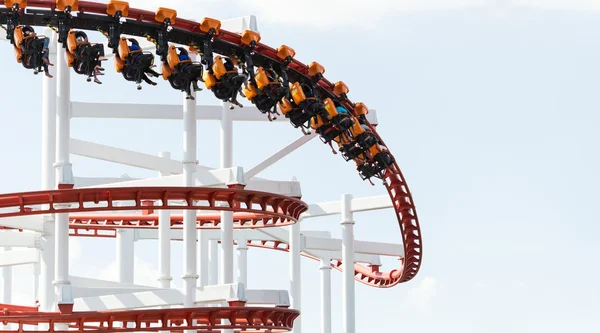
(317, 122)
(70, 58)
(209, 80)
(250, 91)
(285, 106)
(330, 107)
(19, 36)
(18, 54)
(219, 67)
(123, 48)
(166, 71)
(356, 129)
(71, 41)
(261, 77)
(297, 93)
(173, 57)
(119, 64)
(374, 150)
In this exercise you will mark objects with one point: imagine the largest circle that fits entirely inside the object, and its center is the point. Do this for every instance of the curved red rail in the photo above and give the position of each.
(255, 319)
(394, 180)
(270, 209)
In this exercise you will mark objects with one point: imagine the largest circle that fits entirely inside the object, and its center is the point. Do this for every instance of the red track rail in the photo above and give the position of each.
(270, 209)
(394, 180)
(255, 319)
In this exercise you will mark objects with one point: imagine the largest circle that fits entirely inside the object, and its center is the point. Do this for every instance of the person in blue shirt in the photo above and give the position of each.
(183, 54)
(340, 109)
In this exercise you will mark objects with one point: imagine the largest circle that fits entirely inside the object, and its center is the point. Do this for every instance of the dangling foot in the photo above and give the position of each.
(97, 81)
(47, 61)
(196, 88)
(48, 75)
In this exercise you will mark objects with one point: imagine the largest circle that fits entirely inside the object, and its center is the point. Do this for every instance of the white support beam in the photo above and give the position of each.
(99, 181)
(220, 293)
(171, 112)
(85, 292)
(30, 222)
(19, 257)
(369, 259)
(84, 282)
(358, 205)
(268, 297)
(137, 300)
(375, 248)
(20, 239)
(279, 155)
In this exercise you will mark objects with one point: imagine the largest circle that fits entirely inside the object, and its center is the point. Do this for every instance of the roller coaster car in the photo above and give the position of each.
(208, 23)
(29, 49)
(227, 81)
(114, 6)
(182, 74)
(84, 57)
(64, 4)
(380, 161)
(135, 62)
(342, 120)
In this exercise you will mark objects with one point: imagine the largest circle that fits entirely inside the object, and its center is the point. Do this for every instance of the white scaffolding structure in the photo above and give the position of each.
(206, 281)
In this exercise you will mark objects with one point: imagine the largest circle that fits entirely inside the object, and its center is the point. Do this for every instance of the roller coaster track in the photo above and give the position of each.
(142, 23)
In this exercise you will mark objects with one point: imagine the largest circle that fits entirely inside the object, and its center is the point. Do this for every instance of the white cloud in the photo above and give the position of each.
(423, 294)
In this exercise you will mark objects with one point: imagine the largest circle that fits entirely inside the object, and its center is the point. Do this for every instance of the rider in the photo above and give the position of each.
(31, 42)
(89, 55)
(137, 57)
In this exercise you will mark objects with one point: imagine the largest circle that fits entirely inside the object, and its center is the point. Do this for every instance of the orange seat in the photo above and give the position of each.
(19, 36)
(340, 88)
(209, 23)
(315, 68)
(261, 77)
(114, 6)
(250, 91)
(11, 3)
(297, 93)
(119, 64)
(356, 129)
(18, 54)
(317, 122)
(330, 107)
(285, 106)
(63, 4)
(165, 13)
(361, 109)
(173, 57)
(123, 48)
(70, 57)
(166, 71)
(71, 41)
(374, 150)
(285, 51)
(209, 80)
(250, 36)
(219, 67)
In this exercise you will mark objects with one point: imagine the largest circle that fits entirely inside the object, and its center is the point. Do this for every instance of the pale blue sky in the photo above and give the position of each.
(491, 113)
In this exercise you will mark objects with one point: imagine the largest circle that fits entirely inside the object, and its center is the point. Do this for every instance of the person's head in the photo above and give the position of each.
(182, 50)
(28, 30)
(337, 103)
(134, 41)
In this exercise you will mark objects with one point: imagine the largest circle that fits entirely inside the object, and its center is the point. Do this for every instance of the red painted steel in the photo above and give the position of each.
(271, 209)
(394, 180)
(255, 319)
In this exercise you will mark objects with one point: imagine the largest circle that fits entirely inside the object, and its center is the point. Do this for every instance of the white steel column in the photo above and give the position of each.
(164, 240)
(242, 260)
(325, 295)
(213, 273)
(125, 255)
(46, 290)
(190, 275)
(348, 261)
(7, 281)
(295, 273)
(203, 261)
(226, 275)
(64, 178)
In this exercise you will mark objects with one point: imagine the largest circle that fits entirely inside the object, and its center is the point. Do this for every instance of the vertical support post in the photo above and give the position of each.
(47, 298)
(7, 286)
(296, 273)
(226, 217)
(164, 241)
(348, 261)
(242, 260)
(36, 283)
(125, 255)
(213, 274)
(325, 295)
(203, 256)
(190, 275)
(64, 178)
